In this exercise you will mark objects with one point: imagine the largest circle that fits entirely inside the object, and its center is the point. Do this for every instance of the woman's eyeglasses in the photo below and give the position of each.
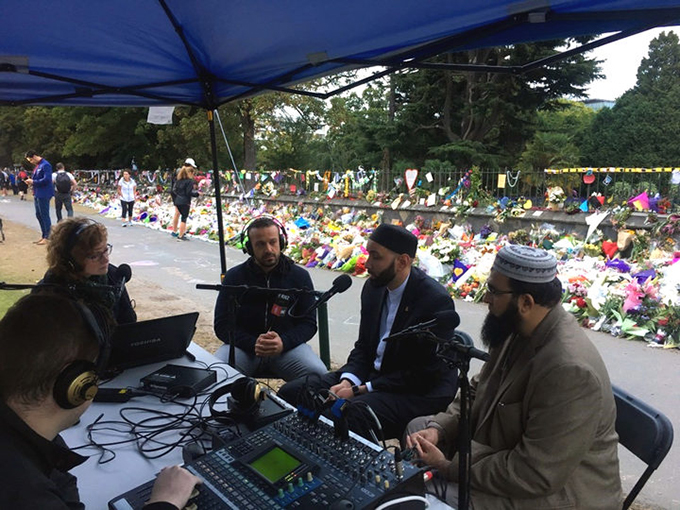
(100, 255)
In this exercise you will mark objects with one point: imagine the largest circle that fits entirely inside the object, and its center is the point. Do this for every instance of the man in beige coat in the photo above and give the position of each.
(543, 413)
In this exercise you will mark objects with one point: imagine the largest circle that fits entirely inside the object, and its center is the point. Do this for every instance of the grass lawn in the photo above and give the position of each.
(8, 298)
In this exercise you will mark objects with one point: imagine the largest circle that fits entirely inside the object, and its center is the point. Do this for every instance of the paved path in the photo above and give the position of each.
(648, 373)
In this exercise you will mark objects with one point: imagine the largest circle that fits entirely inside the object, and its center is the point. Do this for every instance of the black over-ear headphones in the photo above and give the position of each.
(247, 246)
(78, 382)
(71, 241)
(246, 395)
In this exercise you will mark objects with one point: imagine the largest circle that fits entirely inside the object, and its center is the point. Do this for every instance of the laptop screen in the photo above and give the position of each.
(145, 342)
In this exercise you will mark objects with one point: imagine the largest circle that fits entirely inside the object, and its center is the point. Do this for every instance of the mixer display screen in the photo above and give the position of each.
(274, 464)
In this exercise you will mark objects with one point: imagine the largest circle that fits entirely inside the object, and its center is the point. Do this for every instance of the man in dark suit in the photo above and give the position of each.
(397, 378)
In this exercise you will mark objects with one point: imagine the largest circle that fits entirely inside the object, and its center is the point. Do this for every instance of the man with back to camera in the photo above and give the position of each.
(36, 365)
(399, 378)
(43, 191)
(266, 344)
(64, 186)
(543, 412)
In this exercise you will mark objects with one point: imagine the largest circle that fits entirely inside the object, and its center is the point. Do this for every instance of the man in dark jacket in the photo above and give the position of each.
(47, 381)
(268, 339)
(401, 377)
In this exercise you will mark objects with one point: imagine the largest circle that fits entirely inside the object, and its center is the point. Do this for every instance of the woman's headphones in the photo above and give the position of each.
(78, 382)
(71, 241)
(246, 395)
(247, 246)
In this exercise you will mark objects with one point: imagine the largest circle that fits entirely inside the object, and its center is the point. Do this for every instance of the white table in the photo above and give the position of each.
(99, 483)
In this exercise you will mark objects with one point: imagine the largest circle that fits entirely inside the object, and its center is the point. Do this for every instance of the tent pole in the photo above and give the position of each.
(218, 195)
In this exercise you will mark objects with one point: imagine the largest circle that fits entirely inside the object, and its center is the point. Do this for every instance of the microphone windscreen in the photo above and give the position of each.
(123, 273)
(342, 283)
(447, 318)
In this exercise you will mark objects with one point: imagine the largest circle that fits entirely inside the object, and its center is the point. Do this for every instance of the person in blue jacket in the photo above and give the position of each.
(268, 340)
(43, 191)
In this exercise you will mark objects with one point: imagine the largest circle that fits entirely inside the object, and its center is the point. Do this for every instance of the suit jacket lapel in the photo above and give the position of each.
(404, 312)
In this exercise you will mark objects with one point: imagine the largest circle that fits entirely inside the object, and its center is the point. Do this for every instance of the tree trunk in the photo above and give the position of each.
(387, 153)
(248, 127)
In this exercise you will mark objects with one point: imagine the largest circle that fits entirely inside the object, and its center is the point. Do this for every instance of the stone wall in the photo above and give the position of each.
(478, 217)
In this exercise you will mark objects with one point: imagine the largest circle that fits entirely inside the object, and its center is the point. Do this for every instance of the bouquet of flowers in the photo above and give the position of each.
(555, 195)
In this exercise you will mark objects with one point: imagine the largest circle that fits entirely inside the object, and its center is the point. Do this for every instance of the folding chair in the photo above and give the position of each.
(645, 432)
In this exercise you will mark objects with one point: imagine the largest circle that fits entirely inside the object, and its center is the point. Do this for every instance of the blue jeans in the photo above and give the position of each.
(65, 200)
(289, 365)
(42, 212)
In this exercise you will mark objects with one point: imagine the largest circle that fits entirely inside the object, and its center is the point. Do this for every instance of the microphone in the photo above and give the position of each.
(122, 276)
(398, 463)
(340, 284)
(339, 415)
(447, 318)
(124, 273)
(458, 344)
(281, 305)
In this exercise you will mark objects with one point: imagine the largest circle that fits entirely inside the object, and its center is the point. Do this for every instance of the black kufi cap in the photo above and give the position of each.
(395, 238)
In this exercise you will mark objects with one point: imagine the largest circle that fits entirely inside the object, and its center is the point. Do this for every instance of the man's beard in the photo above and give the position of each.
(384, 277)
(496, 330)
(267, 261)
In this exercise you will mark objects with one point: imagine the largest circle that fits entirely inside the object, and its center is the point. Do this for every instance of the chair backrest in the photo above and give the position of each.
(645, 432)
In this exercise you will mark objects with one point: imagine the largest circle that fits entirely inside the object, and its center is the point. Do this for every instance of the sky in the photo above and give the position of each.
(621, 61)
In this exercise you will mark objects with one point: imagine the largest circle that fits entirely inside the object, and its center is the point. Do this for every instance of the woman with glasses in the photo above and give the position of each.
(78, 259)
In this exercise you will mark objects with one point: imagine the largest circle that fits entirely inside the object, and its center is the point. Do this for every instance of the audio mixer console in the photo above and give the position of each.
(293, 463)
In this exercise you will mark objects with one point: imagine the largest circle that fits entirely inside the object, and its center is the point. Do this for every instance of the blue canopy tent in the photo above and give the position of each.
(209, 52)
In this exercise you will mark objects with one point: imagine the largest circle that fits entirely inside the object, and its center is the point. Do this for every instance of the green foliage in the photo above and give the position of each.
(643, 127)
(460, 119)
(110, 137)
(660, 70)
(561, 129)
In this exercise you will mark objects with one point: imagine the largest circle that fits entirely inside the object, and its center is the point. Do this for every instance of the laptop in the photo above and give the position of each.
(145, 342)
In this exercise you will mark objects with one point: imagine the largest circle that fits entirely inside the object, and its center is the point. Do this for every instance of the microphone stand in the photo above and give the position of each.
(17, 286)
(456, 355)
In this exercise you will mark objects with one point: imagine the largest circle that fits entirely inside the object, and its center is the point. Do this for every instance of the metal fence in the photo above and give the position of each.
(616, 186)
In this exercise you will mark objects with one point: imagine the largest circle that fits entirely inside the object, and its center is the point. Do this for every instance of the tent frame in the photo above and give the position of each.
(413, 57)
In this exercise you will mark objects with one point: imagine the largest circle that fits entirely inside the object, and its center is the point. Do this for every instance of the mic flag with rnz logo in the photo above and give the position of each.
(281, 305)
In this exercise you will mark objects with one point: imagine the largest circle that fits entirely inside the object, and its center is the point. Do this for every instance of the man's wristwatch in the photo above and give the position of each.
(355, 390)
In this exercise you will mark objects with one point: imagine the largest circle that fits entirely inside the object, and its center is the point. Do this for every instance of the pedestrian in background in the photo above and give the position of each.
(43, 191)
(127, 189)
(21, 184)
(182, 191)
(4, 181)
(13, 182)
(64, 186)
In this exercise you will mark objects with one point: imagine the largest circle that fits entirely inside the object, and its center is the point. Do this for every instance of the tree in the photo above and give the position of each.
(660, 70)
(485, 118)
(643, 127)
(559, 134)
